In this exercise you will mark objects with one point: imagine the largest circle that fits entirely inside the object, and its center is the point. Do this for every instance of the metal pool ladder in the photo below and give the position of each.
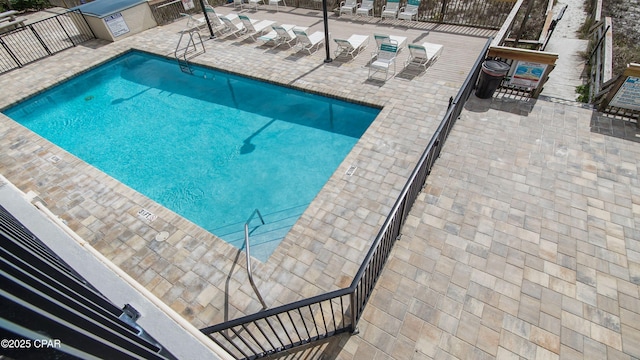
(185, 52)
(247, 249)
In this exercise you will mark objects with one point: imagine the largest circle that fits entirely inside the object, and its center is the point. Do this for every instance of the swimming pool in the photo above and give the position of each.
(211, 148)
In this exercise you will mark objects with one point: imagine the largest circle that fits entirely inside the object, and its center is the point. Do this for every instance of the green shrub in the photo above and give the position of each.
(22, 5)
(583, 93)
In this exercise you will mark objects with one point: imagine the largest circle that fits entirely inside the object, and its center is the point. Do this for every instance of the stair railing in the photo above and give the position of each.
(247, 249)
(189, 51)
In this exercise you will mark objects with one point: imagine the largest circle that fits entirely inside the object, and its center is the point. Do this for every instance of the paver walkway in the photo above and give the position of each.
(525, 243)
(565, 41)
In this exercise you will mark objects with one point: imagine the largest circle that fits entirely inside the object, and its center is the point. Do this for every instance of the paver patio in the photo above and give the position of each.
(523, 244)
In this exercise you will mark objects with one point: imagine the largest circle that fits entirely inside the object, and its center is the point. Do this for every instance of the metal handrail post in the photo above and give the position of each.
(247, 248)
(353, 306)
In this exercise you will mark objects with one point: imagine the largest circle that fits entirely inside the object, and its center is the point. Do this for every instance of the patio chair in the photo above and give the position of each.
(276, 3)
(381, 38)
(216, 20)
(351, 46)
(193, 23)
(233, 28)
(423, 54)
(390, 9)
(308, 42)
(365, 8)
(409, 11)
(274, 36)
(348, 7)
(238, 3)
(255, 27)
(286, 36)
(254, 3)
(385, 59)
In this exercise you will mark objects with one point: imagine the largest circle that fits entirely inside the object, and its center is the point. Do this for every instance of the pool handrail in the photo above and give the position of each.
(247, 249)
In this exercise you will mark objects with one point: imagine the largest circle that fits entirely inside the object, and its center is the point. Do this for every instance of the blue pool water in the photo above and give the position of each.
(211, 147)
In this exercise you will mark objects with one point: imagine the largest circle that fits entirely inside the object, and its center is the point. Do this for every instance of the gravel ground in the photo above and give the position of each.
(626, 31)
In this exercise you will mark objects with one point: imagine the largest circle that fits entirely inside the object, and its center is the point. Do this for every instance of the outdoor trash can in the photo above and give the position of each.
(490, 77)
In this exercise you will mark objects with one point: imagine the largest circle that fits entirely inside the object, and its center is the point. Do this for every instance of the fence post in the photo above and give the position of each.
(13, 56)
(354, 321)
(442, 11)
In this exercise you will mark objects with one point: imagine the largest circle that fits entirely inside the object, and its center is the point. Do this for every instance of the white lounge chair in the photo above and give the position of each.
(218, 26)
(409, 11)
(276, 3)
(423, 54)
(351, 46)
(238, 3)
(348, 7)
(255, 27)
(275, 36)
(385, 59)
(254, 3)
(398, 40)
(193, 23)
(286, 36)
(390, 9)
(308, 42)
(365, 8)
(233, 28)
(215, 18)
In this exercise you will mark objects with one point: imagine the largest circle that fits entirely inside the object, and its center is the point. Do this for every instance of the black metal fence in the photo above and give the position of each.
(43, 38)
(476, 13)
(305, 321)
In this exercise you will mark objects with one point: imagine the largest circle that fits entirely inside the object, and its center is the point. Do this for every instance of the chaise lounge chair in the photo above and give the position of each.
(386, 57)
(308, 42)
(351, 46)
(423, 54)
(276, 3)
(233, 28)
(390, 9)
(255, 27)
(216, 19)
(348, 7)
(366, 8)
(193, 23)
(255, 3)
(398, 40)
(409, 11)
(280, 34)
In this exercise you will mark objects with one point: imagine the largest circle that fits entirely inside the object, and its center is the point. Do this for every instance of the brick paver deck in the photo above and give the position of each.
(197, 274)
(524, 243)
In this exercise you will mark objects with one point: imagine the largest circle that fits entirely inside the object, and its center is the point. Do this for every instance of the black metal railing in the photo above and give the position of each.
(478, 13)
(305, 321)
(43, 297)
(32, 42)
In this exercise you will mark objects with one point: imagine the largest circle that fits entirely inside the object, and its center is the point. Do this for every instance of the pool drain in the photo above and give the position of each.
(162, 236)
